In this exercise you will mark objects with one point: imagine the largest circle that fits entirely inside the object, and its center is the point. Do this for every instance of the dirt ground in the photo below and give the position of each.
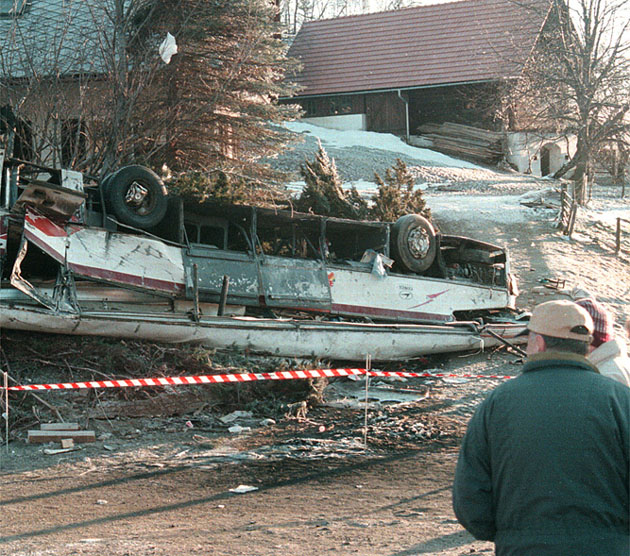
(161, 485)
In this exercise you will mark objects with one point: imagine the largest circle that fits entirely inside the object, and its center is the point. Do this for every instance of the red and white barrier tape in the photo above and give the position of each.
(237, 377)
(406, 374)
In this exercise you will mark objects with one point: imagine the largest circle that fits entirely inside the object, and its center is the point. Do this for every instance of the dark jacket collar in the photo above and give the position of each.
(547, 359)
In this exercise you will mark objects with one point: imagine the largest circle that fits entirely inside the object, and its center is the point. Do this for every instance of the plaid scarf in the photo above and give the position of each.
(603, 323)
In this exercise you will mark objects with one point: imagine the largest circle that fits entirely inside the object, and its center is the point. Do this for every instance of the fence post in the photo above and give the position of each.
(6, 408)
(224, 293)
(572, 216)
(563, 192)
(196, 311)
(565, 209)
(618, 237)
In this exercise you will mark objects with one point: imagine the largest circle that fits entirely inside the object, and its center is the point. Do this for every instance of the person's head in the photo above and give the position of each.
(603, 330)
(559, 326)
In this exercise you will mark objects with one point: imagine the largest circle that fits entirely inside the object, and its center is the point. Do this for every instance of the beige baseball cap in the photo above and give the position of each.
(562, 319)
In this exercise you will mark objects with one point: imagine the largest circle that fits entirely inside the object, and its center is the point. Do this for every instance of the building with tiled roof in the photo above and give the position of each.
(47, 49)
(427, 64)
(51, 37)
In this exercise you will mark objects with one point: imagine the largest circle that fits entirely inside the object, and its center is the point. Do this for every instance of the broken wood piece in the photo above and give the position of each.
(55, 451)
(164, 405)
(59, 426)
(38, 436)
(67, 443)
(507, 343)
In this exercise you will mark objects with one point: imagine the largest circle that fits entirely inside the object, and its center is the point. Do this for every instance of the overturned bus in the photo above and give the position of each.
(124, 258)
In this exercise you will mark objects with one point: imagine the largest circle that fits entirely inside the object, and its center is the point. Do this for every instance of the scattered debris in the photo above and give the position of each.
(235, 415)
(201, 439)
(344, 394)
(553, 283)
(164, 405)
(297, 410)
(242, 489)
(548, 198)
(55, 451)
(237, 429)
(455, 380)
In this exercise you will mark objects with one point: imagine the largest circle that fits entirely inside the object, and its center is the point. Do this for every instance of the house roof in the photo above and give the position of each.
(457, 42)
(53, 37)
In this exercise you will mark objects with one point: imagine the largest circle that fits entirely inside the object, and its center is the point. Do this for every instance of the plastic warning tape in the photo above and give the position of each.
(407, 374)
(190, 380)
(237, 377)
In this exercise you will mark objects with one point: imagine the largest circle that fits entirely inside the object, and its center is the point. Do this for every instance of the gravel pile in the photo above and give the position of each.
(359, 163)
(353, 164)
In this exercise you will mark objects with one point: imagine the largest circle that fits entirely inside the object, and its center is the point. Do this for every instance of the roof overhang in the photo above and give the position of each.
(396, 89)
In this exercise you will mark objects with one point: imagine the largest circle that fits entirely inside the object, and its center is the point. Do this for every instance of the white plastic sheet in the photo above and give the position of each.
(168, 48)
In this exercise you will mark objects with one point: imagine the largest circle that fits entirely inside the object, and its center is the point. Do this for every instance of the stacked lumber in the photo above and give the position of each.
(60, 432)
(465, 141)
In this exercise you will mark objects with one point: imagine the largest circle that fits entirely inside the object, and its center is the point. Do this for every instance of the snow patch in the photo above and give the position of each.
(380, 141)
(496, 208)
(607, 216)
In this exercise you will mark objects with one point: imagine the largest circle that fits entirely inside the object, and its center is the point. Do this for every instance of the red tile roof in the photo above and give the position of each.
(457, 42)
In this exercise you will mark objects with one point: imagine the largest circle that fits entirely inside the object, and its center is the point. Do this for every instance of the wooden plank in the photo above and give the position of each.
(464, 130)
(458, 139)
(59, 426)
(67, 443)
(37, 436)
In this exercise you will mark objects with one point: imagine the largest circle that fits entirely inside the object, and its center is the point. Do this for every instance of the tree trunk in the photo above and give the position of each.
(581, 162)
(580, 184)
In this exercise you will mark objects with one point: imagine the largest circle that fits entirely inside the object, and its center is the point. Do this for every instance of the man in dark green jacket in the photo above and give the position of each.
(544, 468)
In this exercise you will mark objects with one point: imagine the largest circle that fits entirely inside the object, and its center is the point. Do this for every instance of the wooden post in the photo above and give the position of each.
(6, 409)
(224, 293)
(572, 217)
(368, 367)
(195, 293)
(563, 195)
(618, 237)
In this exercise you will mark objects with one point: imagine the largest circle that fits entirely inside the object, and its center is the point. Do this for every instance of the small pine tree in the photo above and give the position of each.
(323, 193)
(228, 190)
(395, 196)
(358, 203)
(202, 186)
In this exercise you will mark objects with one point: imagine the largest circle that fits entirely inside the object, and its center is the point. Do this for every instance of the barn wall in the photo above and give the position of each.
(332, 105)
(384, 112)
(343, 122)
(473, 104)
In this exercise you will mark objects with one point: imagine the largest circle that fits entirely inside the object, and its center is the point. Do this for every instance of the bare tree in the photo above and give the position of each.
(88, 76)
(576, 82)
(296, 12)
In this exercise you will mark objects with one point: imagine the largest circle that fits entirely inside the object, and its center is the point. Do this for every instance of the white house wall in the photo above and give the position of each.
(525, 149)
(344, 122)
